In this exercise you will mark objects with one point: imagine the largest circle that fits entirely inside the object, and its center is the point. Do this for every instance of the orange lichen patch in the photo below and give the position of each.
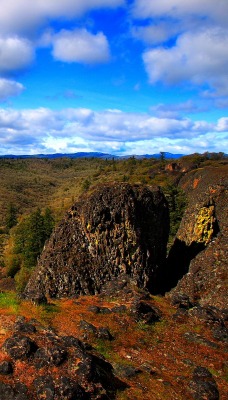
(196, 183)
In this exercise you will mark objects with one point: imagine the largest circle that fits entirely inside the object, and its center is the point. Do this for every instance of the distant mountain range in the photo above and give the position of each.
(91, 154)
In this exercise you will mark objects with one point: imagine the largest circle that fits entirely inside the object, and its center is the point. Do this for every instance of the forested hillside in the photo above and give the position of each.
(35, 194)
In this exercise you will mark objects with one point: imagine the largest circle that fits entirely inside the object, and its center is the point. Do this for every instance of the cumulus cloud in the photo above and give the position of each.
(199, 57)
(80, 46)
(25, 16)
(155, 34)
(16, 53)
(22, 23)
(68, 130)
(9, 88)
(215, 10)
(188, 42)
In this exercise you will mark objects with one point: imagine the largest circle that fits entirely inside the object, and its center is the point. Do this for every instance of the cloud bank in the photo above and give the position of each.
(70, 130)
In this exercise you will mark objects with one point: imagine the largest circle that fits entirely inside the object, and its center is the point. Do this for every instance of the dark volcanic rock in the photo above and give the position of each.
(19, 347)
(70, 390)
(145, 312)
(203, 385)
(181, 301)
(70, 369)
(44, 386)
(119, 229)
(17, 392)
(54, 355)
(197, 262)
(6, 368)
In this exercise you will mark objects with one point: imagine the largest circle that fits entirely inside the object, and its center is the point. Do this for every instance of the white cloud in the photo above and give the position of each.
(174, 110)
(199, 57)
(16, 53)
(222, 124)
(25, 16)
(215, 10)
(9, 88)
(68, 130)
(188, 42)
(155, 34)
(80, 46)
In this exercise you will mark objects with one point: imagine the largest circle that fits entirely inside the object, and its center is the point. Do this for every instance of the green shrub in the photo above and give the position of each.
(21, 278)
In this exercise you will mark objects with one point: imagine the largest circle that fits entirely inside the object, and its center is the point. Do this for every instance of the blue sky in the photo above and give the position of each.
(117, 76)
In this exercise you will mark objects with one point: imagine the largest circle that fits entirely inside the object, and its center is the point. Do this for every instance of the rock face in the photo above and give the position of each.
(198, 257)
(118, 229)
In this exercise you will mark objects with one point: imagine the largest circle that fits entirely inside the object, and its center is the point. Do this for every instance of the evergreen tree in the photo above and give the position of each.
(49, 223)
(11, 216)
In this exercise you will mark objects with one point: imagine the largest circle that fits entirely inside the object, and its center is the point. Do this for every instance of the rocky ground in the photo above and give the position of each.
(120, 344)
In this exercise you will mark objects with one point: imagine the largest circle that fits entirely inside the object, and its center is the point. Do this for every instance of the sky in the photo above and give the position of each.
(113, 76)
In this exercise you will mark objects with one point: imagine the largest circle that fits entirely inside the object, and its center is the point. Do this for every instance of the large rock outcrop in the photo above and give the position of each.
(118, 229)
(198, 257)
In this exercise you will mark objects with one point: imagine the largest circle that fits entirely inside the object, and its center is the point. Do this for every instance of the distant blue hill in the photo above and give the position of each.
(89, 155)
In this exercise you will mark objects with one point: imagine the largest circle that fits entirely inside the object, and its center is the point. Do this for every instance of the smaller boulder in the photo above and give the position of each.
(145, 312)
(203, 385)
(6, 368)
(44, 387)
(19, 347)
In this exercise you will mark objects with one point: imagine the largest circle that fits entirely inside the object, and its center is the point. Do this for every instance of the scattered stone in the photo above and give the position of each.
(69, 390)
(86, 326)
(145, 312)
(53, 355)
(6, 368)
(119, 309)
(71, 341)
(196, 338)
(127, 371)
(56, 355)
(19, 347)
(21, 391)
(210, 315)
(44, 386)
(181, 301)
(105, 310)
(6, 392)
(24, 327)
(94, 309)
(17, 392)
(220, 333)
(181, 315)
(203, 385)
(103, 333)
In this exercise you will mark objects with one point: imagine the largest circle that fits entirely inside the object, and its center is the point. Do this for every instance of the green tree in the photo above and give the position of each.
(11, 216)
(86, 185)
(29, 237)
(49, 223)
(177, 203)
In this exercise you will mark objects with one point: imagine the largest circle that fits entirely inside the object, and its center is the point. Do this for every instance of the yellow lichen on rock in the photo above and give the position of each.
(203, 229)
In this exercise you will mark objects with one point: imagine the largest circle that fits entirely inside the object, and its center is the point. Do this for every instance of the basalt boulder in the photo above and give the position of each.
(118, 229)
